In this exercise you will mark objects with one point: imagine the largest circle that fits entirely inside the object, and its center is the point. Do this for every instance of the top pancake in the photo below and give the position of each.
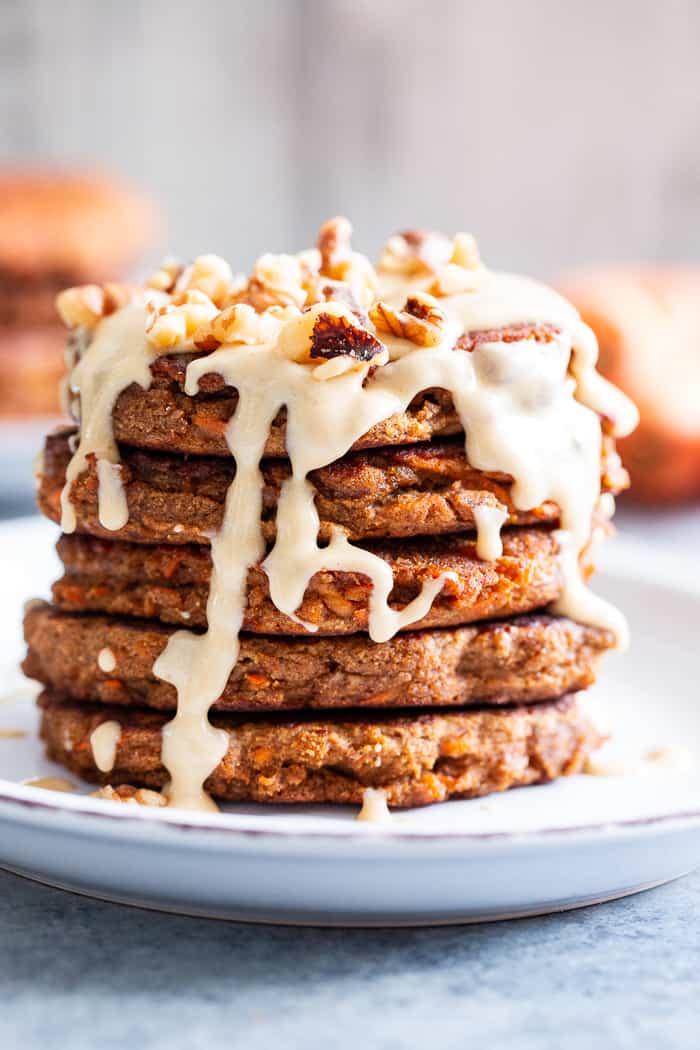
(165, 418)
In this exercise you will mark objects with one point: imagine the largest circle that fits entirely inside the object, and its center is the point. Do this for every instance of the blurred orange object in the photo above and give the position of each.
(56, 230)
(648, 328)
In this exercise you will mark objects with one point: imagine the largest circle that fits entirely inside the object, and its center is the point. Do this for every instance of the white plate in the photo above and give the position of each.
(581, 840)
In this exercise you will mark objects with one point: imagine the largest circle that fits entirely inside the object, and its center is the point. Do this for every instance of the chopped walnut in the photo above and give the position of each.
(414, 253)
(465, 252)
(278, 280)
(339, 263)
(339, 336)
(165, 277)
(452, 280)
(209, 274)
(334, 246)
(329, 331)
(421, 320)
(86, 304)
(176, 322)
(241, 324)
(130, 795)
(458, 275)
(326, 290)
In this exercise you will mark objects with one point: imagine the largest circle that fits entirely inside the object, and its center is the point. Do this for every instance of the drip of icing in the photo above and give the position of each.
(522, 414)
(51, 784)
(577, 601)
(106, 660)
(118, 355)
(489, 520)
(296, 557)
(103, 744)
(374, 805)
(199, 665)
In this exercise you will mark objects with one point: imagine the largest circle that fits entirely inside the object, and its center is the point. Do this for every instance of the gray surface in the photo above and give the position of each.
(80, 974)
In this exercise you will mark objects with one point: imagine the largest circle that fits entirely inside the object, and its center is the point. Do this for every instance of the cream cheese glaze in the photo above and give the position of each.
(103, 744)
(529, 409)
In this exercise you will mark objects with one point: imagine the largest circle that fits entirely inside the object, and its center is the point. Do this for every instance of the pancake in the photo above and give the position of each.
(172, 584)
(165, 418)
(526, 659)
(417, 490)
(415, 759)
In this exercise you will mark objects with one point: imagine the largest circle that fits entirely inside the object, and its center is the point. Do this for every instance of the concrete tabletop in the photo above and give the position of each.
(79, 974)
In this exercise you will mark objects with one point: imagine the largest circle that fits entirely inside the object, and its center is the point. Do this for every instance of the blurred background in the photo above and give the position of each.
(561, 134)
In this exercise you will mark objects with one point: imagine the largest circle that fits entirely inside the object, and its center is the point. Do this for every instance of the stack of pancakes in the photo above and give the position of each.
(477, 696)
(56, 230)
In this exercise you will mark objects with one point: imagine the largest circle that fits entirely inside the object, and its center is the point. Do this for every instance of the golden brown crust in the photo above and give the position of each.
(393, 492)
(513, 661)
(417, 759)
(172, 584)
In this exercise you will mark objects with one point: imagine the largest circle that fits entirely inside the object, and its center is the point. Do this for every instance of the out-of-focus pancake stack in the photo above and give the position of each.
(56, 230)
(647, 322)
(471, 691)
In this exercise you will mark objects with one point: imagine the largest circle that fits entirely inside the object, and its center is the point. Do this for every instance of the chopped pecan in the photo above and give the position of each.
(128, 794)
(334, 245)
(337, 336)
(421, 320)
(465, 252)
(539, 331)
(209, 274)
(241, 324)
(166, 276)
(414, 253)
(177, 321)
(278, 280)
(326, 290)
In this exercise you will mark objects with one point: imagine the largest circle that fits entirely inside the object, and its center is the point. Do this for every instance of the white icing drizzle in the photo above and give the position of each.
(528, 409)
(51, 784)
(106, 660)
(103, 744)
(118, 355)
(374, 805)
(489, 520)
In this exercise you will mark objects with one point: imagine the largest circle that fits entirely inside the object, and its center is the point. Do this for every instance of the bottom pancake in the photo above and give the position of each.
(521, 660)
(415, 758)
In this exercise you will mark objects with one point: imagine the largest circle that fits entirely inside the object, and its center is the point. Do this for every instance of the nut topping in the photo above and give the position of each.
(334, 246)
(176, 322)
(338, 336)
(421, 320)
(130, 795)
(414, 253)
(86, 304)
(241, 324)
(278, 280)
